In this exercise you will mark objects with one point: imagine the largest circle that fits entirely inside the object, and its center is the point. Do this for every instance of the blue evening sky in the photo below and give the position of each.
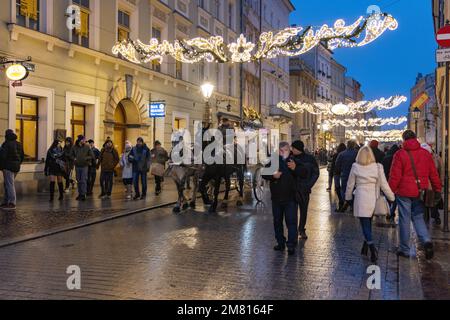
(389, 65)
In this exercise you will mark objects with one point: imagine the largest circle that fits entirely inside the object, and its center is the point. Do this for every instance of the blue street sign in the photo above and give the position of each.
(157, 109)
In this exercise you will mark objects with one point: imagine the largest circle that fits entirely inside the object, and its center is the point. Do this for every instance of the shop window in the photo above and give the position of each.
(27, 110)
(27, 13)
(123, 32)
(78, 121)
(156, 34)
(80, 36)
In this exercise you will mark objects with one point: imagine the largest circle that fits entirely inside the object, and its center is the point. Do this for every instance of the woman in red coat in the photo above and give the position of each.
(412, 158)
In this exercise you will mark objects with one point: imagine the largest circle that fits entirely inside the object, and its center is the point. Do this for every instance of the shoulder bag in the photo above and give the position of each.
(382, 208)
(426, 196)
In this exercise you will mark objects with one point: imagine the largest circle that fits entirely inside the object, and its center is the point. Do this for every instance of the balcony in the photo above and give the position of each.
(280, 114)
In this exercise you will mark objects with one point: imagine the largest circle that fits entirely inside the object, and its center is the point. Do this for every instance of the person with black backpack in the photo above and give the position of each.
(11, 158)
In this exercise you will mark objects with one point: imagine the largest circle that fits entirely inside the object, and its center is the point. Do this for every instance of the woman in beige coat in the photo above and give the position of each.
(362, 184)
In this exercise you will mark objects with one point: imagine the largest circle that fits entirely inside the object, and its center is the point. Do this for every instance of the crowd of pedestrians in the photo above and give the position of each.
(369, 182)
(70, 165)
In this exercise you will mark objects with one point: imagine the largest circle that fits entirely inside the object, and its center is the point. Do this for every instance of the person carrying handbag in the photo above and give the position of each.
(365, 183)
(412, 170)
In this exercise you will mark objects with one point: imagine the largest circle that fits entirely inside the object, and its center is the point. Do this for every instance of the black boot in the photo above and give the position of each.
(373, 253)
(429, 251)
(365, 249)
(52, 191)
(61, 191)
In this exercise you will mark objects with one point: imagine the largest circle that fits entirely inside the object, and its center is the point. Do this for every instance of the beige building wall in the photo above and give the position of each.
(68, 73)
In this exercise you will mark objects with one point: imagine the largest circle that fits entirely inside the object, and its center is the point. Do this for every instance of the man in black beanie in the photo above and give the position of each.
(305, 183)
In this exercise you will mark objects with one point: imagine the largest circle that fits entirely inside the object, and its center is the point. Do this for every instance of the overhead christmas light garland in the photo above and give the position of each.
(372, 122)
(386, 136)
(292, 41)
(350, 109)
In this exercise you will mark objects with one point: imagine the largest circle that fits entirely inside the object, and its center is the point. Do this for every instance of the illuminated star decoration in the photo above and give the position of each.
(293, 41)
(372, 122)
(353, 108)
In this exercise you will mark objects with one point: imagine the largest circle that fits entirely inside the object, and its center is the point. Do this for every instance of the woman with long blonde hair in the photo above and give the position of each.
(364, 179)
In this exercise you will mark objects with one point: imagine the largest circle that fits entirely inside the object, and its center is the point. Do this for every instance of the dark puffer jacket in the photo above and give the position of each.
(11, 154)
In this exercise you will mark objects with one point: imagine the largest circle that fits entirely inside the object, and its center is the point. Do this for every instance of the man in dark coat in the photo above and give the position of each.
(387, 163)
(379, 155)
(305, 183)
(140, 157)
(11, 158)
(92, 171)
(284, 206)
(83, 157)
(344, 163)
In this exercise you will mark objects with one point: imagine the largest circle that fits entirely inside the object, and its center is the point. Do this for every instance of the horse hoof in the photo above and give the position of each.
(192, 205)
(185, 206)
(239, 203)
(176, 210)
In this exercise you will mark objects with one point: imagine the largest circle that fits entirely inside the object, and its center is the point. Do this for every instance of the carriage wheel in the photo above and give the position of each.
(258, 185)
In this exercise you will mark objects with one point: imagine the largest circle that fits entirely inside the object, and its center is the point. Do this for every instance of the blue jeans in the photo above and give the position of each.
(366, 225)
(288, 212)
(411, 209)
(143, 177)
(82, 177)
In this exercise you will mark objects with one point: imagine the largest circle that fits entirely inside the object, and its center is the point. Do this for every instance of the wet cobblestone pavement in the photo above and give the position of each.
(35, 215)
(193, 255)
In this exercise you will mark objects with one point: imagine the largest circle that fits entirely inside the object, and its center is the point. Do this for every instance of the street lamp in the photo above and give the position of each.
(207, 91)
(416, 115)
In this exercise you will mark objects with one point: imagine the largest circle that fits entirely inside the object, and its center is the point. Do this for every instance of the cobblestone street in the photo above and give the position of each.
(193, 255)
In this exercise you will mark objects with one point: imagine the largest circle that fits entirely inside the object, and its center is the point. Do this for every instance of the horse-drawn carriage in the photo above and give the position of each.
(207, 178)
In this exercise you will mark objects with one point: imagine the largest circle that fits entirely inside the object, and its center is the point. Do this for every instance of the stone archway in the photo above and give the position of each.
(127, 93)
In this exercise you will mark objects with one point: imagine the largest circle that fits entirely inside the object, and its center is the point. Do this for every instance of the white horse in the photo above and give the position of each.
(181, 172)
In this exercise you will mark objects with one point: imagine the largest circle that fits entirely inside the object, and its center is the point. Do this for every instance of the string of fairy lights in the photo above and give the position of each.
(292, 41)
(341, 109)
(363, 123)
(382, 136)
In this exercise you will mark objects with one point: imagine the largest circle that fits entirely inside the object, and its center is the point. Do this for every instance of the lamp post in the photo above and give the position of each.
(207, 91)
(416, 115)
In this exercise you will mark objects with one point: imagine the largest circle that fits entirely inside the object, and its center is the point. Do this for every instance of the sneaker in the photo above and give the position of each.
(429, 251)
(83, 198)
(137, 197)
(128, 197)
(101, 196)
(3, 205)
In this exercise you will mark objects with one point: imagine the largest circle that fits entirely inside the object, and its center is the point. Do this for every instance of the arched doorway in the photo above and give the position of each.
(120, 128)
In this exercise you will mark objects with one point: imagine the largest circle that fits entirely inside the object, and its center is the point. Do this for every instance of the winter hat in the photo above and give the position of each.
(299, 145)
(427, 147)
(374, 144)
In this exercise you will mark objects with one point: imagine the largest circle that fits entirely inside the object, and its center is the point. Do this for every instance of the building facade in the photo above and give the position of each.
(303, 87)
(80, 87)
(266, 83)
(319, 60)
(354, 94)
(427, 126)
(337, 95)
